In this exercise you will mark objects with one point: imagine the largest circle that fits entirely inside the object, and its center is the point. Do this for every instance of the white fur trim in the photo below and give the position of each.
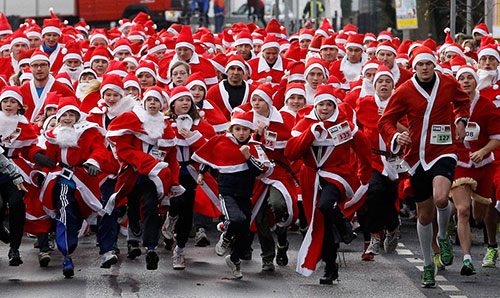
(423, 57)
(386, 48)
(113, 87)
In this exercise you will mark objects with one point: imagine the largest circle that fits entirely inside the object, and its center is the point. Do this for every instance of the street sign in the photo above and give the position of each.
(406, 14)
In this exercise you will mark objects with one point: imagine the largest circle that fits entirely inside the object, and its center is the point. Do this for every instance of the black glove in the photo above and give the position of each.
(39, 180)
(92, 170)
(44, 161)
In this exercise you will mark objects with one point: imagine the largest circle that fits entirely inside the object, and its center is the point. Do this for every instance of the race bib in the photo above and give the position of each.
(262, 155)
(157, 154)
(472, 131)
(13, 137)
(398, 164)
(340, 133)
(441, 135)
(270, 138)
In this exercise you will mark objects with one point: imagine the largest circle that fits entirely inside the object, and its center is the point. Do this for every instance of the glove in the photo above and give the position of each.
(92, 170)
(44, 161)
(39, 181)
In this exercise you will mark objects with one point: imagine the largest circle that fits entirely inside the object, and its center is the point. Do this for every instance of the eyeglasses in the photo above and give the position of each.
(44, 65)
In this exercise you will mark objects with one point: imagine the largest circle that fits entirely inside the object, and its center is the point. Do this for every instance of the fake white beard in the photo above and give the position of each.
(80, 89)
(351, 71)
(367, 88)
(66, 136)
(486, 78)
(154, 125)
(8, 124)
(73, 74)
(126, 104)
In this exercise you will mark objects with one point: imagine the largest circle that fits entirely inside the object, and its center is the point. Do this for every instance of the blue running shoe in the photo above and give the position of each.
(68, 267)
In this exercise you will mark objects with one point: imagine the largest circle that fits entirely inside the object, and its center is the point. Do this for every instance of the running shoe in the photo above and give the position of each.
(68, 267)
(201, 238)
(152, 259)
(391, 240)
(428, 280)
(178, 261)
(490, 259)
(267, 266)
(467, 268)
(133, 250)
(445, 251)
(222, 245)
(281, 256)
(374, 247)
(108, 258)
(169, 226)
(14, 257)
(235, 267)
(44, 259)
(437, 263)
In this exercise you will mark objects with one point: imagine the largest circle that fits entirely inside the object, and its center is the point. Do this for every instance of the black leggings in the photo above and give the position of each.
(381, 198)
(183, 206)
(329, 197)
(238, 211)
(13, 200)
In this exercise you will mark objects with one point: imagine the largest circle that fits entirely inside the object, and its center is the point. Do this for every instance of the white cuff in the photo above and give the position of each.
(395, 147)
(92, 162)
(192, 139)
(461, 118)
(317, 135)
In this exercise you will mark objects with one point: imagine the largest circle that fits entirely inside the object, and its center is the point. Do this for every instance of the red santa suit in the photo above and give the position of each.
(220, 97)
(214, 116)
(34, 102)
(447, 102)
(142, 154)
(330, 166)
(56, 59)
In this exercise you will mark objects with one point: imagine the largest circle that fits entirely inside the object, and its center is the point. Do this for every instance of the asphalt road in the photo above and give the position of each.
(206, 275)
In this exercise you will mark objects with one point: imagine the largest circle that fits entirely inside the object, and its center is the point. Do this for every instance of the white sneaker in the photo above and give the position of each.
(168, 227)
(391, 240)
(108, 258)
(178, 262)
(222, 245)
(374, 247)
(235, 268)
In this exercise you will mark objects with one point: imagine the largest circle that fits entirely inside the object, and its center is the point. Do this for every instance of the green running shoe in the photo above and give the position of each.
(467, 268)
(445, 251)
(428, 280)
(437, 262)
(490, 259)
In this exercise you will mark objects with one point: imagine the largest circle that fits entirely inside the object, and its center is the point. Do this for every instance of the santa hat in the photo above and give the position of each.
(446, 67)
(334, 81)
(325, 29)
(369, 37)
(52, 101)
(82, 26)
(100, 52)
(315, 44)
(131, 59)
(404, 46)
(448, 39)
(384, 35)
(122, 44)
(236, 60)
(34, 31)
(456, 62)
(219, 62)
(328, 42)
(431, 44)
(306, 34)
(341, 38)
(294, 52)
(370, 64)
(273, 28)
(131, 80)
(244, 37)
(72, 51)
(150, 28)
(265, 91)
(372, 47)
(117, 67)
(294, 88)
(315, 63)
(196, 79)
(243, 119)
(177, 93)
(258, 39)
(296, 70)
(63, 77)
(414, 45)
(5, 27)
(455, 48)
(341, 50)
(355, 40)
(382, 70)
(325, 92)
(422, 53)
(87, 71)
(271, 41)
(69, 103)
(147, 67)
(141, 18)
(175, 29)
(467, 69)
(208, 40)
(158, 93)
(14, 92)
(27, 75)
(39, 55)
(155, 44)
(481, 29)
(491, 50)
(25, 56)
(136, 33)
(51, 25)
(99, 33)
(227, 38)
(402, 59)
(387, 46)
(350, 29)
(111, 82)
(185, 38)
(19, 37)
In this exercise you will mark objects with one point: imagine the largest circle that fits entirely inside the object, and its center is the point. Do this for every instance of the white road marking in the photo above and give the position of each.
(401, 244)
(458, 296)
(420, 268)
(440, 278)
(404, 252)
(414, 260)
(449, 288)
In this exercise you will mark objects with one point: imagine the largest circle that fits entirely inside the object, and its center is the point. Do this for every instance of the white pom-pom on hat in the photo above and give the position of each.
(447, 29)
(230, 31)
(202, 113)
(51, 9)
(497, 97)
(155, 27)
(87, 27)
(120, 22)
(65, 22)
(495, 86)
(174, 124)
(157, 42)
(64, 51)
